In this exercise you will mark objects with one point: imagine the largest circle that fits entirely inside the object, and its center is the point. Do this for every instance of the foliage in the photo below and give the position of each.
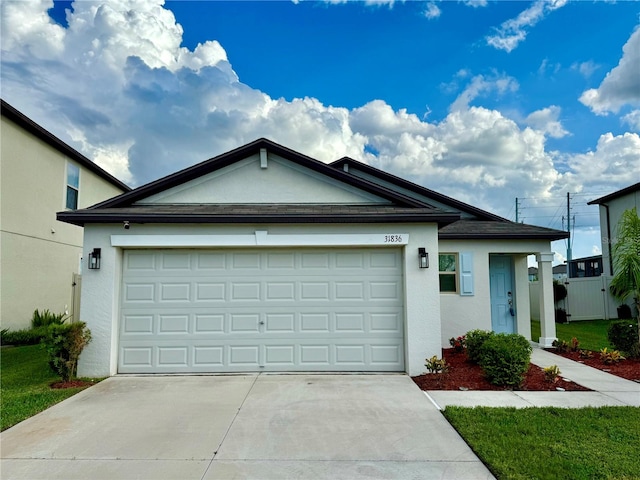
(551, 443)
(64, 343)
(586, 354)
(31, 336)
(626, 260)
(505, 358)
(575, 344)
(25, 384)
(561, 315)
(46, 318)
(458, 343)
(609, 357)
(474, 341)
(624, 336)
(551, 373)
(559, 291)
(592, 333)
(560, 345)
(436, 365)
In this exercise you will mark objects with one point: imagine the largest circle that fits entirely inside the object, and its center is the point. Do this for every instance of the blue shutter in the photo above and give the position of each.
(466, 273)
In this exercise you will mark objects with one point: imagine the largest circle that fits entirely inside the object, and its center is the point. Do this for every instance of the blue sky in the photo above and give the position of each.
(483, 101)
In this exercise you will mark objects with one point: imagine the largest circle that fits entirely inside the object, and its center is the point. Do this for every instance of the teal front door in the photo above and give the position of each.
(503, 318)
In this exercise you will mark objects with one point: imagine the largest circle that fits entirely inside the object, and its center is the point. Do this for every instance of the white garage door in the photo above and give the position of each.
(261, 310)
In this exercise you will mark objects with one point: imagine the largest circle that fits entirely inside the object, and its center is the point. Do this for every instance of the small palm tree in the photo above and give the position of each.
(626, 260)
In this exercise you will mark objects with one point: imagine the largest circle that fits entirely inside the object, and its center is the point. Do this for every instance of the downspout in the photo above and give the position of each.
(609, 239)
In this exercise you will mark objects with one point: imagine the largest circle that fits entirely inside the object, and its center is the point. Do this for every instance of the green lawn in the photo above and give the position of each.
(24, 384)
(551, 443)
(592, 334)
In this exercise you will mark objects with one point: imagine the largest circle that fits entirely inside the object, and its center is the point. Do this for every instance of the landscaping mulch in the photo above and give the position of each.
(465, 375)
(72, 384)
(629, 368)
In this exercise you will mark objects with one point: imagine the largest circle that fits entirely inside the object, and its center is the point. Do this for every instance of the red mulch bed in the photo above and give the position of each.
(464, 375)
(72, 384)
(629, 368)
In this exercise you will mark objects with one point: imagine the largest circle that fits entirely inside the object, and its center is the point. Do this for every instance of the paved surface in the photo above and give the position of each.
(609, 390)
(241, 426)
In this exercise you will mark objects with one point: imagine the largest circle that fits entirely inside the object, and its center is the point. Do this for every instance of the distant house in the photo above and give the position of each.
(585, 267)
(533, 274)
(40, 255)
(264, 259)
(560, 271)
(611, 208)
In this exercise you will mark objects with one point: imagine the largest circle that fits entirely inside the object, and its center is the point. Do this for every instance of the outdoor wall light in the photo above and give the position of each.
(94, 259)
(423, 258)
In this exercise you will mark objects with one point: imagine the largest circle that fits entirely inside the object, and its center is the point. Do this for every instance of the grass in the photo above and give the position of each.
(24, 384)
(550, 443)
(592, 334)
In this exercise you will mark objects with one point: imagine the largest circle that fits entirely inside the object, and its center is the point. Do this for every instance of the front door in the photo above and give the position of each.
(503, 318)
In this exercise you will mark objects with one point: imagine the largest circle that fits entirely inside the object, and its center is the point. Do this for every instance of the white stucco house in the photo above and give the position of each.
(39, 255)
(263, 259)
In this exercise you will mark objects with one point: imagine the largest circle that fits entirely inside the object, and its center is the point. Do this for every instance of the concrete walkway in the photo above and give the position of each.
(241, 426)
(609, 390)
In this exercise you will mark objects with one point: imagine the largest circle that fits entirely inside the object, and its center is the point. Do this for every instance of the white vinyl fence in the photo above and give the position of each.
(587, 299)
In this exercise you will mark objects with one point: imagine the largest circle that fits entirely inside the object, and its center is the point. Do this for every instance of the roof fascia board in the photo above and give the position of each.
(619, 193)
(483, 214)
(39, 132)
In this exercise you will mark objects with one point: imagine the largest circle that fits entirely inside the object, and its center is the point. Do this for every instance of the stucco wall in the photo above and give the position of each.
(101, 288)
(463, 313)
(38, 254)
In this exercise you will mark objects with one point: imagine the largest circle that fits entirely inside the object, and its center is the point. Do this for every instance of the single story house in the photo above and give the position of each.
(264, 259)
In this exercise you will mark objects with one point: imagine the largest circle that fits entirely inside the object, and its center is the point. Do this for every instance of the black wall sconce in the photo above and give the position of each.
(423, 258)
(94, 259)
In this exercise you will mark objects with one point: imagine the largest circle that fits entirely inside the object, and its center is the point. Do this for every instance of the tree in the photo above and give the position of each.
(626, 260)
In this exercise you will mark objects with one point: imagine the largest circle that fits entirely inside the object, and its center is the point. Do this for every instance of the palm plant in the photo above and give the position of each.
(626, 260)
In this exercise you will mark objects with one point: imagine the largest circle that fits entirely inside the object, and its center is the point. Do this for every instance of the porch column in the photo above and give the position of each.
(547, 311)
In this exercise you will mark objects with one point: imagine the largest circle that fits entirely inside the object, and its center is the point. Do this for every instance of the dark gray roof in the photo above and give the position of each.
(30, 126)
(478, 229)
(619, 193)
(260, 213)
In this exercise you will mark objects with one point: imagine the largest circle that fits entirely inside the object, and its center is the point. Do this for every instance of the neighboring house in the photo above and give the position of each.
(559, 271)
(585, 267)
(611, 208)
(39, 255)
(263, 259)
(533, 274)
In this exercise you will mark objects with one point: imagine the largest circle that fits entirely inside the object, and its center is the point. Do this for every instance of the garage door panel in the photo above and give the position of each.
(263, 310)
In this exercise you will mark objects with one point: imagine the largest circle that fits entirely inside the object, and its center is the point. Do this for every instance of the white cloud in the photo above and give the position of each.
(514, 31)
(621, 86)
(432, 11)
(633, 119)
(586, 69)
(481, 85)
(475, 3)
(546, 120)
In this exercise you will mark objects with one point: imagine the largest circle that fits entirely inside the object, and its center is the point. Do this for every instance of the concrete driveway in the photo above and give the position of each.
(241, 426)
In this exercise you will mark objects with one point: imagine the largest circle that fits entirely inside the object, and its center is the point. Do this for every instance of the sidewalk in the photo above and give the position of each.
(608, 390)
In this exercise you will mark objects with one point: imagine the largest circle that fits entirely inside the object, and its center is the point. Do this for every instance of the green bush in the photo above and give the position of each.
(505, 359)
(27, 336)
(46, 318)
(64, 343)
(624, 336)
(474, 341)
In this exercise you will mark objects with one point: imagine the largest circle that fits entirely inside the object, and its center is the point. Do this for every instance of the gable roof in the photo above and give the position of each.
(30, 126)
(482, 225)
(402, 208)
(619, 193)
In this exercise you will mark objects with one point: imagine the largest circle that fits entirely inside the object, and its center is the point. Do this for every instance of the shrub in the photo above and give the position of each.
(30, 336)
(436, 365)
(458, 343)
(586, 354)
(561, 346)
(551, 373)
(505, 359)
(609, 357)
(46, 318)
(624, 336)
(561, 315)
(559, 291)
(575, 344)
(64, 343)
(474, 341)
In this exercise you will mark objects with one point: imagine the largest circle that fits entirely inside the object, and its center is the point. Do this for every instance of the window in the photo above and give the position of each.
(73, 186)
(448, 268)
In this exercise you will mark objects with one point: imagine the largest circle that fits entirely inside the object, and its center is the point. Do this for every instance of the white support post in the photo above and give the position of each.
(547, 310)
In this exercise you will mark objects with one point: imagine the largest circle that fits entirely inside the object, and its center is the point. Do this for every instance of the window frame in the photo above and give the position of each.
(455, 273)
(69, 185)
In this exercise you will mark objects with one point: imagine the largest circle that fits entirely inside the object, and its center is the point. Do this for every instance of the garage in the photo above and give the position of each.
(278, 309)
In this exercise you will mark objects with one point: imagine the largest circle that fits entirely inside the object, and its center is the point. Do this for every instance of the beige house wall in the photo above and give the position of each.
(38, 254)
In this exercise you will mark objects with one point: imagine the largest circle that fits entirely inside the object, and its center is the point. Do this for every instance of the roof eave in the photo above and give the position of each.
(502, 236)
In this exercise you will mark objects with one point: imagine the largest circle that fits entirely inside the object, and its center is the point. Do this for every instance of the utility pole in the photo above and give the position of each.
(568, 229)
(516, 209)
